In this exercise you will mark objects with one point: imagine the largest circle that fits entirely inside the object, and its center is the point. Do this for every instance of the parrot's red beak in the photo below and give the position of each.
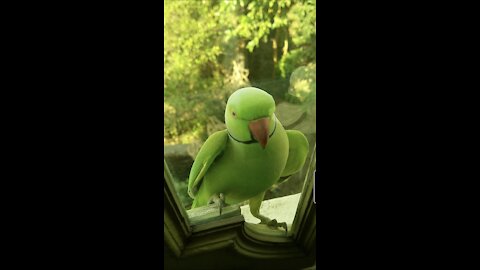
(259, 129)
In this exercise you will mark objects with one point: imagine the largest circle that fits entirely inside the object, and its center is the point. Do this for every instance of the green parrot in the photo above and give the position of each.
(243, 161)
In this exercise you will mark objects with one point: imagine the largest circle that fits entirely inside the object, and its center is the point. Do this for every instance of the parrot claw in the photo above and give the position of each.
(217, 200)
(275, 224)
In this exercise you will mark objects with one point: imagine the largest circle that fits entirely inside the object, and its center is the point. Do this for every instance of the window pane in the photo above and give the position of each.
(212, 49)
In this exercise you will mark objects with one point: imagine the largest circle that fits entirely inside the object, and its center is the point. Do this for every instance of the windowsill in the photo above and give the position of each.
(282, 209)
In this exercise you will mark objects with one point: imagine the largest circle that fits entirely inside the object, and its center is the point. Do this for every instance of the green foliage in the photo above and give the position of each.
(261, 18)
(193, 83)
(206, 46)
(303, 83)
(302, 29)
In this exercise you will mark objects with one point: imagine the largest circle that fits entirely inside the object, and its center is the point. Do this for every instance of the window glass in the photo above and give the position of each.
(211, 49)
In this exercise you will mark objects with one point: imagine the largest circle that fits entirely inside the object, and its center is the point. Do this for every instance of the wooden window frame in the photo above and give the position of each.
(185, 239)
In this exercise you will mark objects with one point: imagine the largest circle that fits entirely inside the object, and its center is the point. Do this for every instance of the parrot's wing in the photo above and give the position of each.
(211, 149)
(297, 153)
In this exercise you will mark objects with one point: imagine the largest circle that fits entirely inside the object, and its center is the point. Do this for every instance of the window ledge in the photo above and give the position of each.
(282, 209)
(202, 231)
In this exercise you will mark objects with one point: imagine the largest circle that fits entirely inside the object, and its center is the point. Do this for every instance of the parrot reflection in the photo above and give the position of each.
(243, 161)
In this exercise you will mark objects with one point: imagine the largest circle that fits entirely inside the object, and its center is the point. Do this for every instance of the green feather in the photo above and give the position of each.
(244, 171)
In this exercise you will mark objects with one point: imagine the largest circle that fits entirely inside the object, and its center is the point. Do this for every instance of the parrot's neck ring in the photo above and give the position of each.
(253, 140)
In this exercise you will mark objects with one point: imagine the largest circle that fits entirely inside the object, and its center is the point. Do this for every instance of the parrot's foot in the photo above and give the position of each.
(218, 200)
(274, 224)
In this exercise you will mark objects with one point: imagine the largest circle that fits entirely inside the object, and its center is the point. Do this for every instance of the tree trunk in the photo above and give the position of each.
(275, 52)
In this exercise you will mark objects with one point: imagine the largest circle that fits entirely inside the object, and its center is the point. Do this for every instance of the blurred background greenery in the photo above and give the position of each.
(212, 48)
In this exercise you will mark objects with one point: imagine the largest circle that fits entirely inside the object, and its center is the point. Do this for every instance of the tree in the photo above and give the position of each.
(212, 48)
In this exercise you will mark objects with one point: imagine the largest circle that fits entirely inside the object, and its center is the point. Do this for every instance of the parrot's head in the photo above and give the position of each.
(249, 116)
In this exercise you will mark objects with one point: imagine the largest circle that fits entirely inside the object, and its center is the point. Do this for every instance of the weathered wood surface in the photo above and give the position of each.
(205, 214)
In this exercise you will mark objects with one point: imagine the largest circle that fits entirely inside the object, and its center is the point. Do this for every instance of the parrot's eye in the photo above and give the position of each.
(234, 114)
